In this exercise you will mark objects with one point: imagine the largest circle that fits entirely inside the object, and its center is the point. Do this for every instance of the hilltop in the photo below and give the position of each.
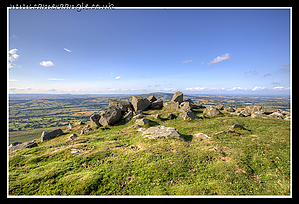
(117, 160)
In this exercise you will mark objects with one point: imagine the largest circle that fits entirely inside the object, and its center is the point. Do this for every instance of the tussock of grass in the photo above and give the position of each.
(118, 161)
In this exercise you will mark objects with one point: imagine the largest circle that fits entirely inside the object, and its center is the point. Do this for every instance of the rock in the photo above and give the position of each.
(22, 146)
(138, 117)
(259, 114)
(73, 136)
(85, 130)
(177, 97)
(15, 144)
(140, 103)
(123, 105)
(171, 105)
(160, 132)
(157, 104)
(261, 109)
(212, 111)
(288, 118)
(236, 126)
(188, 114)
(186, 106)
(152, 98)
(94, 120)
(201, 136)
(229, 109)
(70, 126)
(141, 129)
(110, 116)
(219, 107)
(49, 135)
(142, 121)
(157, 116)
(226, 131)
(138, 112)
(128, 115)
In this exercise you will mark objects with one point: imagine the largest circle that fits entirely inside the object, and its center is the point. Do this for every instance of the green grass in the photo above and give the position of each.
(118, 161)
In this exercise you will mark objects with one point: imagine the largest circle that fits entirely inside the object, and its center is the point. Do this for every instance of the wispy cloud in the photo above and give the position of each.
(67, 50)
(280, 88)
(257, 88)
(201, 63)
(54, 79)
(118, 77)
(12, 56)
(247, 72)
(46, 63)
(218, 59)
(186, 61)
(267, 75)
(285, 69)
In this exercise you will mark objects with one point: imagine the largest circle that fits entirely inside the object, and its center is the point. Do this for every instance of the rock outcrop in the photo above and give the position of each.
(212, 111)
(140, 103)
(20, 145)
(110, 116)
(123, 105)
(94, 120)
(49, 135)
(178, 97)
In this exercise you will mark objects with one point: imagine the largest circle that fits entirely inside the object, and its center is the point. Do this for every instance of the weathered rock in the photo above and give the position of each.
(236, 126)
(138, 117)
(138, 112)
(171, 105)
(73, 136)
(22, 146)
(49, 135)
(226, 131)
(259, 114)
(142, 121)
(157, 104)
(140, 103)
(260, 109)
(94, 120)
(123, 105)
(157, 116)
(160, 132)
(188, 114)
(186, 105)
(219, 107)
(212, 111)
(152, 98)
(171, 116)
(110, 116)
(229, 109)
(201, 136)
(85, 130)
(70, 126)
(177, 97)
(128, 115)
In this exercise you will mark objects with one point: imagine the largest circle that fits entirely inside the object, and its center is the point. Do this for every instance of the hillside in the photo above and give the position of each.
(117, 160)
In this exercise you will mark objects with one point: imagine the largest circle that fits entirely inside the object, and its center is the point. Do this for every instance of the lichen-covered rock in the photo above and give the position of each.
(160, 132)
(49, 135)
(140, 103)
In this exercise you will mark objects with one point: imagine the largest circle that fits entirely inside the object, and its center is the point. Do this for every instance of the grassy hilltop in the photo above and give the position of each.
(118, 161)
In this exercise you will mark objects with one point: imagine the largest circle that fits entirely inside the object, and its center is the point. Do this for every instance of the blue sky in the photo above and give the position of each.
(198, 51)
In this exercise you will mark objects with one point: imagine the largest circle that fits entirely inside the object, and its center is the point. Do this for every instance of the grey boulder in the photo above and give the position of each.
(49, 135)
(160, 132)
(212, 111)
(123, 105)
(94, 120)
(140, 103)
(110, 116)
(177, 97)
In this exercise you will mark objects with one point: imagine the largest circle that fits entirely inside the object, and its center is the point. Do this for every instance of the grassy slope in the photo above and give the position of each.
(117, 161)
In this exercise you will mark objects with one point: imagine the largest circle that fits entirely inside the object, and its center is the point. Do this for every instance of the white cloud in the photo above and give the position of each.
(12, 56)
(118, 77)
(267, 75)
(46, 63)
(54, 79)
(247, 72)
(280, 88)
(186, 61)
(67, 50)
(201, 63)
(257, 88)
(220, 58)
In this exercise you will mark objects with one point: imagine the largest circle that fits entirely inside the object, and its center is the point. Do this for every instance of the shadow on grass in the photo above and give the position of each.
(187, 138)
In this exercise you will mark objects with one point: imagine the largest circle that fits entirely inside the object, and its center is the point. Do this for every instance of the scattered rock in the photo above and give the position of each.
(73, 136)
(259, 114)
(142, 121)
(157, 116)
(188, 114)
(226, 131)
(219, 107)
(212, 111)
(177, 97)
(171, 116)
(140, 103)
(49, 135)
(160, 132)
(201, 136)
(85, 130)
(172, 104)
(138, 117)
(128, 115)
(229, 109)
(22, 146)
(94, 120)
(110, 116)
(236, 126)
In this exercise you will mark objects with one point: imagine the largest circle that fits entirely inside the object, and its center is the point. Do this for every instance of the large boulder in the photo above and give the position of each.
(212, 111)
(110, 116)
(140, 103)
(171, 104)
(187, 114)
(160, 132)
(142, 121)
(94, 120)
(157, 104)
(151, 98)
(177, 97)
(261, 109)
(123, 105)
(49, 135)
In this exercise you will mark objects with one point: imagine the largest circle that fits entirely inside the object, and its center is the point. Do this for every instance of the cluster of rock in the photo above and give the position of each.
(260, 111)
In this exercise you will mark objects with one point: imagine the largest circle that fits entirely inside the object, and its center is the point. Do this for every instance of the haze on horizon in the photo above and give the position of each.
(121, 51)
